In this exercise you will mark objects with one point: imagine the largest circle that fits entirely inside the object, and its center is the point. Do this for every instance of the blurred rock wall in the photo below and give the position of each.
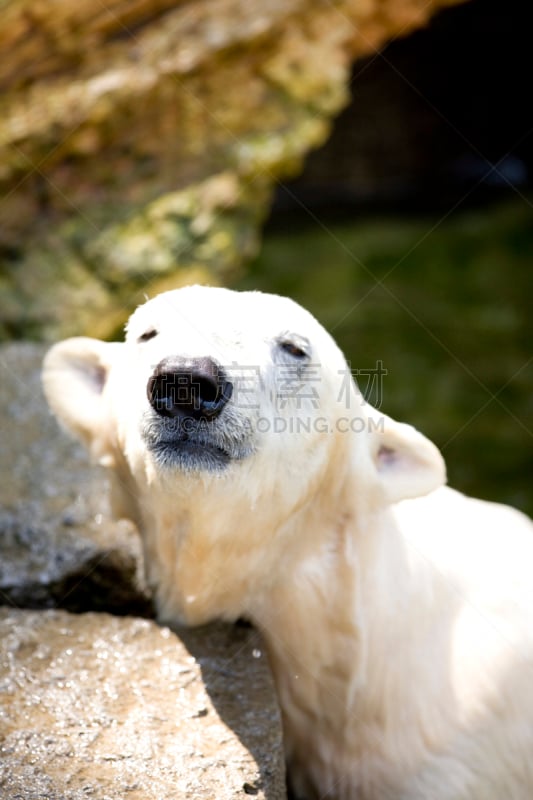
(140, 140)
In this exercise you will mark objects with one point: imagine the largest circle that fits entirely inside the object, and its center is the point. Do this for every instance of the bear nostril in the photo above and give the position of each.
(207, 389)
(194, 388)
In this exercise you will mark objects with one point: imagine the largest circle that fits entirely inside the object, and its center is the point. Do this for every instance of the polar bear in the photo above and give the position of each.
(397, 613)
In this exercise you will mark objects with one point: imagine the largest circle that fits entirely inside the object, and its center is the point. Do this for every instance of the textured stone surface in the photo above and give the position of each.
(121, 709)
(58, 544)
(139, 142)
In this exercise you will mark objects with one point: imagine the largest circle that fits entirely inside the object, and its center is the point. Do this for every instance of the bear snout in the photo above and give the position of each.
(195, 388)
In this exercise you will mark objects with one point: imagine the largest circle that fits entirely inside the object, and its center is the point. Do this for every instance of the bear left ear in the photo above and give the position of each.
(408, 464)
(74, 376)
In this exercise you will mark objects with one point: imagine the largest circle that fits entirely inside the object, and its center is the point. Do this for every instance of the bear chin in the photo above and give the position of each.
(196, 446)
(190, 456)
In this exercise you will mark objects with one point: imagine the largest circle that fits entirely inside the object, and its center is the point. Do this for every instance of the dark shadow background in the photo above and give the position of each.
(430, 115)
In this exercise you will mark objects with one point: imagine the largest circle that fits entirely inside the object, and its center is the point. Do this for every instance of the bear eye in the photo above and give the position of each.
(147, 335)
(296, 346)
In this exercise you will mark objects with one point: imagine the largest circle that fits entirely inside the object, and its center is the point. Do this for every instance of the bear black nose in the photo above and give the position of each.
(189, 387)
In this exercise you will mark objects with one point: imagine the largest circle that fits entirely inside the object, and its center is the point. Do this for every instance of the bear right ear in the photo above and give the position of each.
(74, 375)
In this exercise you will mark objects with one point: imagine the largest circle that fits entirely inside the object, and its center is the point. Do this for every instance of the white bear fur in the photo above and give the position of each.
(397, 613)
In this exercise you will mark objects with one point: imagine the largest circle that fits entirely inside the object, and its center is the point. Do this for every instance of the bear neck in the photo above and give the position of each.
(293, 574)
(213, 549)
